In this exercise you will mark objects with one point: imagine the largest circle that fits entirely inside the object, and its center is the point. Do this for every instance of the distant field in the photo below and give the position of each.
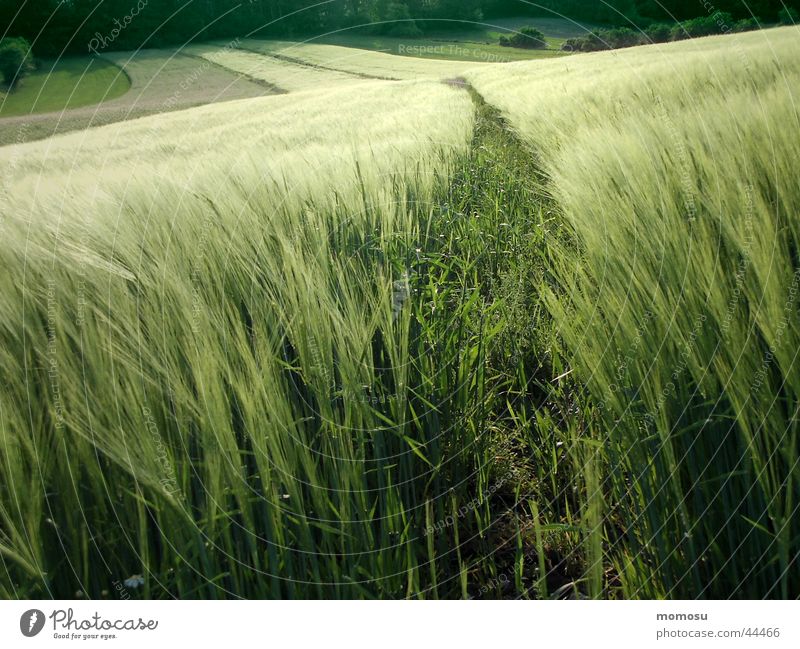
(160, 81)
(64, 84)
(368, 63)
(448, 47)
(467, 42)
(285, 75)
(157, 81)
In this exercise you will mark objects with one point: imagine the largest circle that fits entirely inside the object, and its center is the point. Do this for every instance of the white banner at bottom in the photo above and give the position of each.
(401, 624)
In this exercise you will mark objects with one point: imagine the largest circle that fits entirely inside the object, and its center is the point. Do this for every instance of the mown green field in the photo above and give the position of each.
(156, 81)
(467, 40)
(64, 84)
(529, 332)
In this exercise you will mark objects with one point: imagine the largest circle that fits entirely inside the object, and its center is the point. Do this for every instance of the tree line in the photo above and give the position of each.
(57, 27)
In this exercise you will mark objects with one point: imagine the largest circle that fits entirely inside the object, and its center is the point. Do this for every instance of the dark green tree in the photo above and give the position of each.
(59, 27)
(788, 16)
(400, 21)
(16, 60)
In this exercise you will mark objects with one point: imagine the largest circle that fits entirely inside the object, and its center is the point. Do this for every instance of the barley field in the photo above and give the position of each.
(279, 243)
(410, 328)
(365, 63)
(677, 296)
(285, 75)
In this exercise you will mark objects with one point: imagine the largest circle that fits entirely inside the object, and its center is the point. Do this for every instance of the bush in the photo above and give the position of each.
(604, 39)
(16, 60)
(658, 33)
(596, 41)
(746, 25)
(528, 38)
(569, 45)
(717, 23)
(620, 37)
(788, 16)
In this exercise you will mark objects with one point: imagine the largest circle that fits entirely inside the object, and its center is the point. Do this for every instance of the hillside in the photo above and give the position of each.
(410, 328)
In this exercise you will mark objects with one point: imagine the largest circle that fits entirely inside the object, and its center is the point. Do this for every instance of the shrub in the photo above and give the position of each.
(528, 38)
(788, 16)
(746, 25)
(15, 60)
(593, 42)
(604, 39)
(717, 23)
(658, 33)
(620, 37)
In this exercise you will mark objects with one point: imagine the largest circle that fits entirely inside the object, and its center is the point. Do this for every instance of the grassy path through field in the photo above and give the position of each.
(499, 220)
